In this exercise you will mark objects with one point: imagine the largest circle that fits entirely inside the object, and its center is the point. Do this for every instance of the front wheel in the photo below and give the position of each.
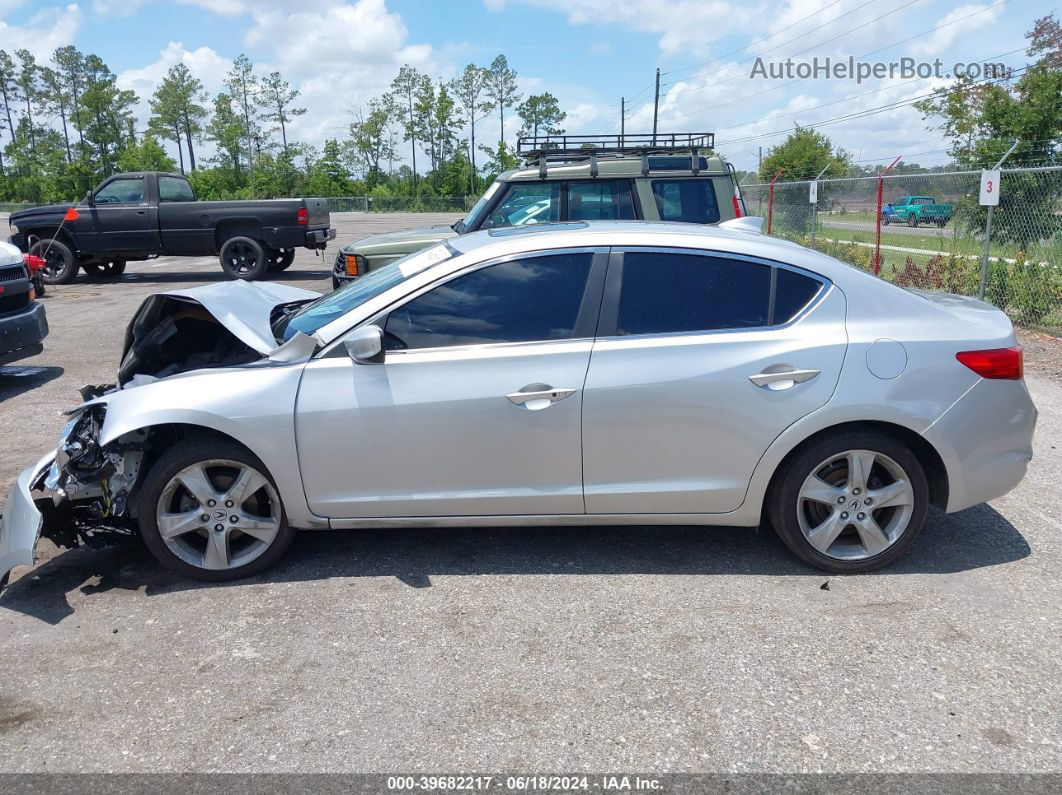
(243, 258)
(851, 503)
(885, 220)
(60, 264)
(912, 220)
(210, 510)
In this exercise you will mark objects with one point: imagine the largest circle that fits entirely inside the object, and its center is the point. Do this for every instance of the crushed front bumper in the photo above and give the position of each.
(21, 522)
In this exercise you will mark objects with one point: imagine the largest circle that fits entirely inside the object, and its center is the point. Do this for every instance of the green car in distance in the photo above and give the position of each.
(579, 178)
(915, 210)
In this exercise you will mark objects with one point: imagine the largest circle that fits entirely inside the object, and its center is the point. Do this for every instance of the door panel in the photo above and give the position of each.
(673, 423)
(124, 219)
(434, 433)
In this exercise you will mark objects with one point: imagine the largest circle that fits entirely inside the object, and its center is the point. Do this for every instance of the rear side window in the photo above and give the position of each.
(792, 294)
(690, 200)
(523, 300)
(673, 292)
(173, 189)
(600, 200)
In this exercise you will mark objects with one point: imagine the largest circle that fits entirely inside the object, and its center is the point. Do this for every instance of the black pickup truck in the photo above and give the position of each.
(149, 214)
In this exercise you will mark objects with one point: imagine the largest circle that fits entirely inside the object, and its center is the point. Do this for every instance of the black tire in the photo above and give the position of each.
(912, 220)
(243, 258)
(885, 220)
(178, 457)
(60, 264)
(280, 259)
(104, 270)
(784, 503)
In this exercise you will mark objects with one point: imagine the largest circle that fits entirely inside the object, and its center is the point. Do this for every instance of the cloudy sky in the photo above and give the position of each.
(589, 53)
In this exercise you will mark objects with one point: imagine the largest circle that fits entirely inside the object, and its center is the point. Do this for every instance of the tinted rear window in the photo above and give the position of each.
(794, 292)
(690, 200)
(673, 292)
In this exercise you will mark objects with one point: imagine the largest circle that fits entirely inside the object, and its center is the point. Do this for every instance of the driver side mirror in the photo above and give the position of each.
(365, 345)
(89, 200)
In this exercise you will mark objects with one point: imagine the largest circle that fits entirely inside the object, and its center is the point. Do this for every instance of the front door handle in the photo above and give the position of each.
(783, 379)
(539, 396)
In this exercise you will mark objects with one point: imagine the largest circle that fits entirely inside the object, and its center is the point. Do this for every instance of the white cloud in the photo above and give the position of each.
(955, 24)
(43, 31)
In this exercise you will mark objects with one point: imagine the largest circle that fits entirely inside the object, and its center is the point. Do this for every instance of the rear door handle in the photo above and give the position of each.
(539, 396)
(783, 379)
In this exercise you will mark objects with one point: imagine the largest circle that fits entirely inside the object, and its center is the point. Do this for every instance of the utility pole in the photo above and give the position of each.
(656, 103)
(988, 229)
(623, 117)
(759, 159)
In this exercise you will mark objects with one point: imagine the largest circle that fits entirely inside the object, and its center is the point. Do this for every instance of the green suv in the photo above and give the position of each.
(667, 177)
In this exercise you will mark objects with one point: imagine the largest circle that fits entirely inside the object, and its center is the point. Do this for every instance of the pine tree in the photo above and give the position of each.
(468, 88)
(277, 98)
(501, 88)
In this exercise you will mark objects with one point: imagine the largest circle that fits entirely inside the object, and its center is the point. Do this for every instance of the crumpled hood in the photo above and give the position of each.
(425, 234)
(176, 330)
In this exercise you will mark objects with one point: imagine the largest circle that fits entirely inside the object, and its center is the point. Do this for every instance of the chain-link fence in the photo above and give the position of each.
(400, 204)
(930, 233)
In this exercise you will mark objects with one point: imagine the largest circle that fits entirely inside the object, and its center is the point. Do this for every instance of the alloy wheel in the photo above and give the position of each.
(218, 514)
(855, 505)
(241, 256)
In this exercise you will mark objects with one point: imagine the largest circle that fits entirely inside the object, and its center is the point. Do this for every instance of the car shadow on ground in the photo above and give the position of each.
(973, 539)
(22, 377)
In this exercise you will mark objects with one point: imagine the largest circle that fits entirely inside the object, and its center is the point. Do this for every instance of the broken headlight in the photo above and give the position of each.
(79, 447)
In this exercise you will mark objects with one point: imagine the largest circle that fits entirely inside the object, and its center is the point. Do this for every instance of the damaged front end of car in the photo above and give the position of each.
(85, 491)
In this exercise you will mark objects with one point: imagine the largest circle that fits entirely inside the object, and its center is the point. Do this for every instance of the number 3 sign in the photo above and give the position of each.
(989, 187)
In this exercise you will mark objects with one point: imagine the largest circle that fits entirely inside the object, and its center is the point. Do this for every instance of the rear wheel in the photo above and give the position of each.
(885, 219)
(912, 220)
(851, 503)
(243, 258)
(104, 270)
(60, 264)
(210, 510)
(280, 259)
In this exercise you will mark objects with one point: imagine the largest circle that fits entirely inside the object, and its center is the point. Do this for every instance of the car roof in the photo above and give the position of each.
(662, 234)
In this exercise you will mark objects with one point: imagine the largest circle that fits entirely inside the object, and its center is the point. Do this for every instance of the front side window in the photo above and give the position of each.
(689, 200)
(175, 189)
(121, 191)
(677, 292)
(600, 200)
(527, 204)
(522, 300)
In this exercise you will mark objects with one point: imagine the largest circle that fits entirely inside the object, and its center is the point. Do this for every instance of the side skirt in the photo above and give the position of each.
(550, 520)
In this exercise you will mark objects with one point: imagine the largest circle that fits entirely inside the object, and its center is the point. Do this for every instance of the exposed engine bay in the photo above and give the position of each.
(88, 492)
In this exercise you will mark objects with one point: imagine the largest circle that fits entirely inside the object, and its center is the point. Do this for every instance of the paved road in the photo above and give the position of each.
(946, 232)
(525, 649)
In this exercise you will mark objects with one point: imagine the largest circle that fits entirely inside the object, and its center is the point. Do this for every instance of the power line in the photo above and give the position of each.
(863, 113)
(765, 38)
(864, 55)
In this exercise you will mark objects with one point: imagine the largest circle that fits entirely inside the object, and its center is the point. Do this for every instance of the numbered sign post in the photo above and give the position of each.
(813, 197)
(989, 197)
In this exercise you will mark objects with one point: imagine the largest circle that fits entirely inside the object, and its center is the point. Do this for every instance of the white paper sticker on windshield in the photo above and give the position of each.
(424, 259)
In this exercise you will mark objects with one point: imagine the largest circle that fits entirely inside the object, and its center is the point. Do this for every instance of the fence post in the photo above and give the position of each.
(877, 219)
(815, 207)
(988, 230)
(770, 198)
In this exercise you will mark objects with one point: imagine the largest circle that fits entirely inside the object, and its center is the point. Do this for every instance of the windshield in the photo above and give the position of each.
(468, 223)
(312, 316)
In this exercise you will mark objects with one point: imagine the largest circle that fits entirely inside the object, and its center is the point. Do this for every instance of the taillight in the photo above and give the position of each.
(304, 216)
(737, 203)
(1000, 363)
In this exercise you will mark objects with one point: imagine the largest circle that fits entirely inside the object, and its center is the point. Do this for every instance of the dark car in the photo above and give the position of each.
(149, 214)
(23, 325)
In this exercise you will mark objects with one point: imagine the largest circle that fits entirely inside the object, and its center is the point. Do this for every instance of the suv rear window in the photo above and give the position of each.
(687, 200)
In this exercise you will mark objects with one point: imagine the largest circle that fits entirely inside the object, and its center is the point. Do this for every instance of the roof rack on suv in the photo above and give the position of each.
(558, 148)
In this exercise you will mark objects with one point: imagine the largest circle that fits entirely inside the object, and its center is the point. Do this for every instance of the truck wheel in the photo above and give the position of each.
(912, 220)
(885, 220)
(243, 258)
(104, 270)
(280, 259)
(60, 264)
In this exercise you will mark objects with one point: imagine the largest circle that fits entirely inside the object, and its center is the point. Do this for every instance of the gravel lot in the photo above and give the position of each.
(525, 650)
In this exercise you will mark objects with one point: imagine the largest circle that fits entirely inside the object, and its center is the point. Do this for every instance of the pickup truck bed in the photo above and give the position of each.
(149, 214)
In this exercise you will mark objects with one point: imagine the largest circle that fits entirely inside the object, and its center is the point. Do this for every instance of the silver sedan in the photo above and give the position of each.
(571, 374)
